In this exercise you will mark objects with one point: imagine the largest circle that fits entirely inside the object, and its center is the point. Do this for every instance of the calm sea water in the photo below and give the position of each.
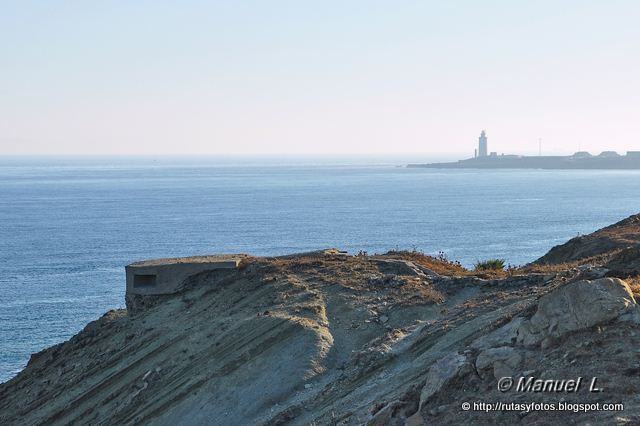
(68, 226)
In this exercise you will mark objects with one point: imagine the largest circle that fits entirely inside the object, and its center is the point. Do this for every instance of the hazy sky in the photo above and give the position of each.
(340, 77)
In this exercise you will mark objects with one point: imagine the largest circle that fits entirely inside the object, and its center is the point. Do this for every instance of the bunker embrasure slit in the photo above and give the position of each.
(144, 280)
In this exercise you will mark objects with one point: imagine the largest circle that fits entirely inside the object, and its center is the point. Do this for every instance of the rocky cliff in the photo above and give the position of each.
(325, 338)
(602, 244)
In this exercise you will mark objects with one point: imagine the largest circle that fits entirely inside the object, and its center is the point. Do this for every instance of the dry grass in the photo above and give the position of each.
(348, 268)
(417, 292)
(634, 284)
(546, 268)
(492, 274)
(440, 264)
(359, 274)
(245, 262)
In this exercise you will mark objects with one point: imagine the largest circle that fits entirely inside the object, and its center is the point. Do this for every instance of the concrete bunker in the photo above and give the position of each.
(167, 276)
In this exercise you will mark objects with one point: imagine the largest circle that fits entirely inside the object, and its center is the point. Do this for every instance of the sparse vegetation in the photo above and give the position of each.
(490, 265)
(245, 262)
(439, 263)
(535, 268)
(634, 285)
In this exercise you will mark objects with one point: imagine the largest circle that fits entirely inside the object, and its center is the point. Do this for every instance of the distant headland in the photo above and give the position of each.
(607, 160)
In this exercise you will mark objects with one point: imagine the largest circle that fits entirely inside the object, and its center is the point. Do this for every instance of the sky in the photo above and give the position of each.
(330, 77)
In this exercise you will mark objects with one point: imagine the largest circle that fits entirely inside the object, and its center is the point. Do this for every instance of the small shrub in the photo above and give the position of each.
(490, 265)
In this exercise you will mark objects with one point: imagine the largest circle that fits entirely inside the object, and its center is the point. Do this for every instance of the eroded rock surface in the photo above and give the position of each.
(441, 373)
(576, 306)
(329, 339)
(602, 243)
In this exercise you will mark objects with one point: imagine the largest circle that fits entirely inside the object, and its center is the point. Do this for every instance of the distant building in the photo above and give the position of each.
(582, 154)
(482, 144)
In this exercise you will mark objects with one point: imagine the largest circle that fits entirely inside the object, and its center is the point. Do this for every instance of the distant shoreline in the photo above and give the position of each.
(578, 161)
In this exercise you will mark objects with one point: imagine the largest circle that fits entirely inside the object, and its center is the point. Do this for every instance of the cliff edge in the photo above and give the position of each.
(328, 338)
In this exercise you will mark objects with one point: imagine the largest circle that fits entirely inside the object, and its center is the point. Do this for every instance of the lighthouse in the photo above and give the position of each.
(482, 144)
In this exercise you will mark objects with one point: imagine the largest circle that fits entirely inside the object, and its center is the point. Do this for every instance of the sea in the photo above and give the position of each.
(69, 225)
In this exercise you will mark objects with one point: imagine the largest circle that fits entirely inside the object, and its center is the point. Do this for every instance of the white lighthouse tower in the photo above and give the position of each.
(482, 144)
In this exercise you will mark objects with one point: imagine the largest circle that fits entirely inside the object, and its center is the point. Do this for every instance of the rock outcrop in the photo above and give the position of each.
(576, 306)
(442, 372)
(603, 242)
(626, 262)
(503, 361)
